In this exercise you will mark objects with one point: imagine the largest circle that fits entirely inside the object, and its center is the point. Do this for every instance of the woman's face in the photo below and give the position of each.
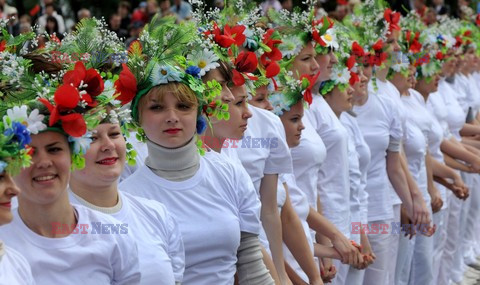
(360, 88)
(260, 99)
(326, 63)
(215, 74)
(105, 159)
(235, 127)
(400, 81)
(47, 178)
(304, 62)
(368, 71)
(428, 87)
(340, 101)
(8, 190)
(167, 121)
(292, 122)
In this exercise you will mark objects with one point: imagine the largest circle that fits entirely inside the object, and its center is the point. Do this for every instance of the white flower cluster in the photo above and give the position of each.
(11, 67)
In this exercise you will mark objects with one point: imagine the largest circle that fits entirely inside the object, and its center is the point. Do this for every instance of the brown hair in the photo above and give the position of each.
(182, 93)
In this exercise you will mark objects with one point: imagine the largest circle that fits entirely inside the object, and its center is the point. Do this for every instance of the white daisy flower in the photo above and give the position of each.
(290, 46)
(35, 122)
(340, 75)
(81, 144)
(205, 59)
(164, 74)
(330, 39)
(278, 103)
(18, 114)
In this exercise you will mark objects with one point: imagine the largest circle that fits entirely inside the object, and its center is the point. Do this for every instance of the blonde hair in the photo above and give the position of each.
(182, 93)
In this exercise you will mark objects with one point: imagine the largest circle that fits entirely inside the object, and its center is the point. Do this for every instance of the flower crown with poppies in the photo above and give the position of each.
(371, 22)
(260, 40)
(158, 57)
(344, 72)
(299, 28)
(75, 97)
(290, 91)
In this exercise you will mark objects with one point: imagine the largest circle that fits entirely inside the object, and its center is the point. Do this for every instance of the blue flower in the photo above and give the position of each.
(3, 165)
(201, 124)
(194, 71)
(19, 133)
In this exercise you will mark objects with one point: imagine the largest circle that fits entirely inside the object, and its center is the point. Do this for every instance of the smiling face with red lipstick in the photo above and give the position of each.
(168, 115)
(105, 159)
(8, 190)
(45, 181)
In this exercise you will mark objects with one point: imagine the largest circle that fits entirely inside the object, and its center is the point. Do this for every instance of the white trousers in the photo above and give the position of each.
(378, 272)
(452, 240)
(439, 240)
(472, 222)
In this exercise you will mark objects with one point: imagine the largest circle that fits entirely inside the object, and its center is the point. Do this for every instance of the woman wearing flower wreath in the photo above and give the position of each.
(160, 245)
(14, 268)
(207, 195)
(60, 241)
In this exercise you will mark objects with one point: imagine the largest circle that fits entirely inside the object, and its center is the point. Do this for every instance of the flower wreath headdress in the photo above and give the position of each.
(344, 73)
(75, 97)
(161, 56)
(300, 27)
(290, 91)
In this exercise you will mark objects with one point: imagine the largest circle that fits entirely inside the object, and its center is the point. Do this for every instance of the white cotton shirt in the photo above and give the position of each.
(263, 149)
(307, 158)
(378, 123)
(416, 143)
(456, 114)
(359, 158)
(334, 190)
(460, 85)
(94, 255)
(211, 209)
(14, 268)
(160, 246)
(438, 109)
(390, 95)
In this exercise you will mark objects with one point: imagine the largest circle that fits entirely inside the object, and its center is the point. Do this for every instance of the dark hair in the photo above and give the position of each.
(226, 71)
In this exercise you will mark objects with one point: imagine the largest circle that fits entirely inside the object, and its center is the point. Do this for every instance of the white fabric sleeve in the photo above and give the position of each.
(279, 159)
(250, 267)
(247, 201)
(394, 145)
(125, 263)
(176, 251)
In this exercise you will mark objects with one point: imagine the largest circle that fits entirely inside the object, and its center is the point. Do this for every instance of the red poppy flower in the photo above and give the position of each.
(351, 62)
(88, 82)
(275, 53)
(3, 44)
(245, 64)
(393, 18)
(378, 46)
(66, 98)
(307, 94)
(439, 55)
(458, 42)
(357, 50)
(126, 85)
(272, 69)
(230, 36)
(353, 78)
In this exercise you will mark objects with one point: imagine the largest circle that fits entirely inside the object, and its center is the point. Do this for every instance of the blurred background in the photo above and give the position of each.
(127, 18)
